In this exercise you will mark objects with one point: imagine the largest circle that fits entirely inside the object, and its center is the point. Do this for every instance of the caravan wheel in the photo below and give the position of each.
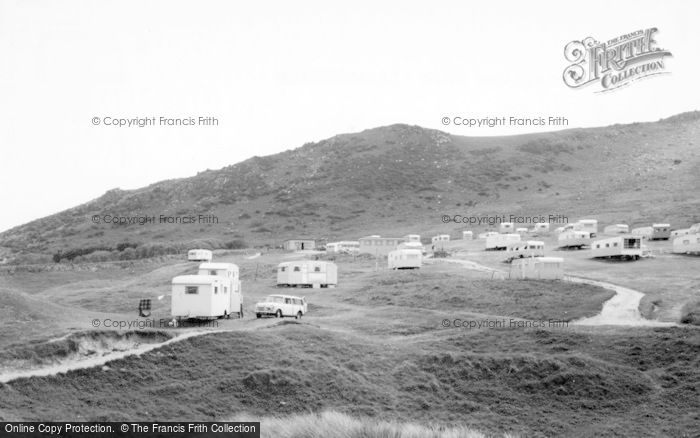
(299, 314)
(227, 315)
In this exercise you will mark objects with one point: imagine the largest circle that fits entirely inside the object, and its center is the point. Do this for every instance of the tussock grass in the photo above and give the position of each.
(338, 425)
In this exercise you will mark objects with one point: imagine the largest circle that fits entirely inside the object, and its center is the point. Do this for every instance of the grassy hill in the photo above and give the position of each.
(394, 180)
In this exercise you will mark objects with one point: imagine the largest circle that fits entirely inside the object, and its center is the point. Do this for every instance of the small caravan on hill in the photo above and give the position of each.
(695, 228)
(405, 259)
(616, 229)
(467, 235)
(199, 255)
(214, 292)
(689, 244)
(590, 225)
(541, 227)
(506, 227)
(440, 241)
(661, 232)
(412, 245)
(573, 239)
(528, 248)
(521, 231)
(487, 234)
(412, 238)
(537, 268)
(343, 247)
(643, 232)
(499, 242)
(621, 247)
(307, 273)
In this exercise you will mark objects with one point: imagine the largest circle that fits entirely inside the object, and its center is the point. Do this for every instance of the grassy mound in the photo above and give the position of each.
(531, 299)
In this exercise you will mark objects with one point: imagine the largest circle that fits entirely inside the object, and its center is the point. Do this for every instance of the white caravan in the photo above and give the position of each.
(506, 227)
(487, 234)
(528, 248)
(343, 247)
(643, 232)
(541, 227)
(281, 305)
(499, 242)
(214, 292)
(661, 232)
(199, 255)
(622, 247)
(689, 244)
(679, 233)
(405, 259)
(616, 229)
(575, 239)
(467, 235)
(412, 237)
(440, 241)
(538, 268)
(590, 225)
(307, 273)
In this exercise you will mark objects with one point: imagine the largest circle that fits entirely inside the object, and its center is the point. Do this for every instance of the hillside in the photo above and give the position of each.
(398, 179)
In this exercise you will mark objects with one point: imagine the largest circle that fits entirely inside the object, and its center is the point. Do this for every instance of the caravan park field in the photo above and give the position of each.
(382, 346)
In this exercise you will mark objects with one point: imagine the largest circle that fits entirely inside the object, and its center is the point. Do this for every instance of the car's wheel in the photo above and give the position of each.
(257, 315)
(279, 313)
(299, 315)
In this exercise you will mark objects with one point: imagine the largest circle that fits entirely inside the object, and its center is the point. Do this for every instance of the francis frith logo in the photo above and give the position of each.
(616, 62)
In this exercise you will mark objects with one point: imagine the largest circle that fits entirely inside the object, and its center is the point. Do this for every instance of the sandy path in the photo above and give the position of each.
(622, 309)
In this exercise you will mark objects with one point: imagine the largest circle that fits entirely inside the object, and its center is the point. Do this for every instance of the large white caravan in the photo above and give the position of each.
(689, 244)
(307, 273)
(405, 259)
(528, 248)
(539, 268)
(499, 241)
(199, 255)
(213, 293)
(623, 247)
(575, 239)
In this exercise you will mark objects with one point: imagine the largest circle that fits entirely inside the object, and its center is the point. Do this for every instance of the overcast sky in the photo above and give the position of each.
(279, 74)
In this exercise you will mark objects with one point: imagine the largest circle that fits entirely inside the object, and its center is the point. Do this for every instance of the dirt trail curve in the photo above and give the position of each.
(8, 375)
(622, 309)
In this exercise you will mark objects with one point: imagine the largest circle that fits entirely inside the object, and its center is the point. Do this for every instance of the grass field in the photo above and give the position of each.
(372, 353)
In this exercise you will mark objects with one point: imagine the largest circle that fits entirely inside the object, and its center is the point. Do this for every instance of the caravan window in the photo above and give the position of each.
(225, 289)
(317, 269)
(212, 272)
(216, 289)
(282, 269)
(191, 290)
(297, 269)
